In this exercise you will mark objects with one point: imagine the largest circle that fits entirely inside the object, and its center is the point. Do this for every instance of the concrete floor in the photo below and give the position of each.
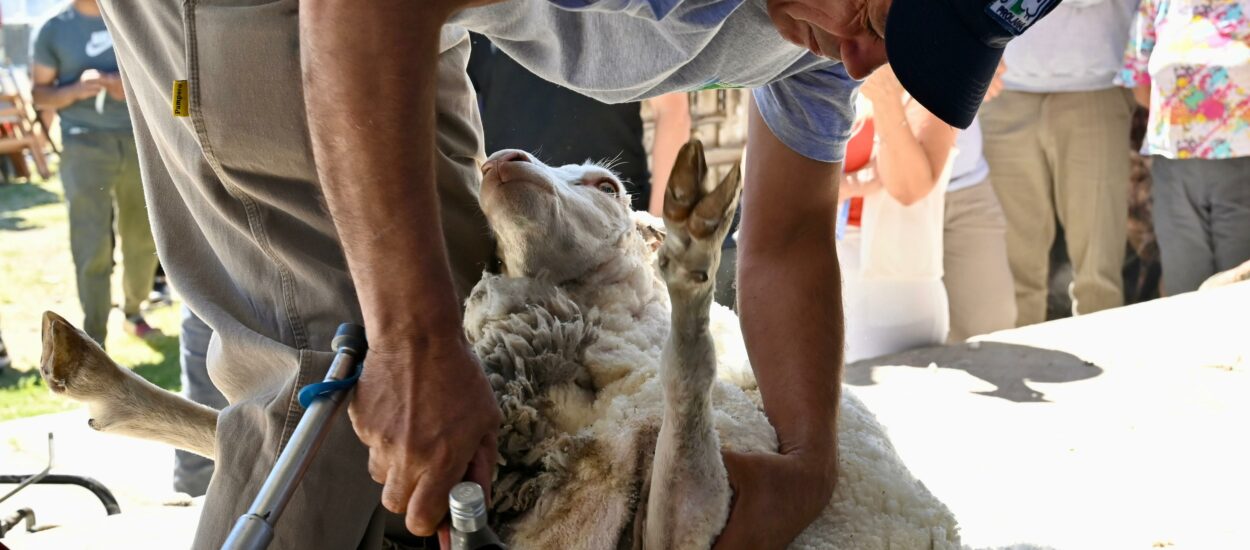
(139, 473)
(1106, 431)
(1116, 430)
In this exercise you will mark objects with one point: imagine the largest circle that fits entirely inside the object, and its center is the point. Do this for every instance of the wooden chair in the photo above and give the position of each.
(19, 128)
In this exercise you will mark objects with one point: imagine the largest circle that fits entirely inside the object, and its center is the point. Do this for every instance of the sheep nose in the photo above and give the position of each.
(504, 156)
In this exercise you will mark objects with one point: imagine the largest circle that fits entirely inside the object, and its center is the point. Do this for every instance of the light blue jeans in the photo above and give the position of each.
(191, 471)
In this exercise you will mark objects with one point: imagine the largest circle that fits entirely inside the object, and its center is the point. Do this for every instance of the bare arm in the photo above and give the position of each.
(47, 95)
(790, 299)
(672, 130)
(915, 144)
(423, 406)
(1141, 93)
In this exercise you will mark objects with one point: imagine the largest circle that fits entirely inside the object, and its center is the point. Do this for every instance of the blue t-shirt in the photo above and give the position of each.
(71, 43)
(627, 50)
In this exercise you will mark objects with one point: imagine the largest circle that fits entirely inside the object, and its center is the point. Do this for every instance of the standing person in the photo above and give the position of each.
(1054, 141)
(275, 245)
(1189, 62)
(75, 73)
(891, 247)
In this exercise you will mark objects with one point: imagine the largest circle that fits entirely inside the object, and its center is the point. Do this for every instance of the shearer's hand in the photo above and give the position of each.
(430, 420)
(776, 496)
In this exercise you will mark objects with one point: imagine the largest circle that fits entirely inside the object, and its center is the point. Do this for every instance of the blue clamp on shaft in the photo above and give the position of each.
(311, 392)
(255, 529)
(349, 339)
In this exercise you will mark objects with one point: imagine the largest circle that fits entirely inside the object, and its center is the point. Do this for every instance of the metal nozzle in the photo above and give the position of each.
(468, 507)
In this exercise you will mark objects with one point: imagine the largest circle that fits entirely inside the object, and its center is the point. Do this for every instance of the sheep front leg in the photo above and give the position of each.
(688, 502)
(119, 400)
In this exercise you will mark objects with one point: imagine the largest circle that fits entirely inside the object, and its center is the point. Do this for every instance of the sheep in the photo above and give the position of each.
(619, 379)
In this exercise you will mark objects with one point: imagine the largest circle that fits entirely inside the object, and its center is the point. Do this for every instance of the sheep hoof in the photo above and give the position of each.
(697, 217)
(73, 365)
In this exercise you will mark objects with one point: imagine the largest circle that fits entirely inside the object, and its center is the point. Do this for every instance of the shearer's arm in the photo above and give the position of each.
(423, 406)
(790, 300)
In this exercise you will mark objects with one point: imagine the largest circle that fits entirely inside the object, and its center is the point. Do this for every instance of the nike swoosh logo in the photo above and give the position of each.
(100, 42)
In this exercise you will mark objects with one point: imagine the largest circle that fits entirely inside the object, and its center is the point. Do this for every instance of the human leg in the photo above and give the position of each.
(89, 199)
(1088, 133)
(133, 228)
(977, 275)
(1182, 226)
(192, 472)
(1230, 211)
(1022, 182)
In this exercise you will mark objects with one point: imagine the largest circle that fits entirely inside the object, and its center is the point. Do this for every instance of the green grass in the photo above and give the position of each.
(37, 274)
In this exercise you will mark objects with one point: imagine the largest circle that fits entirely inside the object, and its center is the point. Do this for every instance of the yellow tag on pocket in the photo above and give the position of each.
(182, 106)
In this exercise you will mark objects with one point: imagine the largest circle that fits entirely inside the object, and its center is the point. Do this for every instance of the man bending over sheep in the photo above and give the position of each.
(363, 110)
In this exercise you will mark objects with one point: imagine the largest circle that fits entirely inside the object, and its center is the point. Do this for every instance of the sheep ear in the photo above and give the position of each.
(651, 229)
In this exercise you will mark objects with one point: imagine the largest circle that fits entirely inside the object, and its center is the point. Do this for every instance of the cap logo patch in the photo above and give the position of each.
(1017, 15)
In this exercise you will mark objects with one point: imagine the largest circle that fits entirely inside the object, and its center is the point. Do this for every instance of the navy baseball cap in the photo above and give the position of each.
(944, 52)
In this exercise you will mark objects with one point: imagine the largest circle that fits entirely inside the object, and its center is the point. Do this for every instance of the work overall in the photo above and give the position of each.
(242, 232)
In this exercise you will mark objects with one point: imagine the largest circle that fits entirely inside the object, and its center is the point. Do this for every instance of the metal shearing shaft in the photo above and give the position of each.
(255, 529)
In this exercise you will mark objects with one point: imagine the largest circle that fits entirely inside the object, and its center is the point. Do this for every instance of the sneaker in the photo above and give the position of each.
(5, 361)
(160, 293)
(158, 298)
(138, 327)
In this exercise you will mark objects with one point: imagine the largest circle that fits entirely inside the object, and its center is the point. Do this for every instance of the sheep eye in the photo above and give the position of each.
(607, 186)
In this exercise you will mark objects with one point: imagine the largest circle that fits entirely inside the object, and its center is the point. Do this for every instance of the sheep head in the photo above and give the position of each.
(554, 223)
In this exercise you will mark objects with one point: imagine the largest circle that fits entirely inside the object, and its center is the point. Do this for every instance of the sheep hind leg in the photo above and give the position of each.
(119, 400)
(689, 495)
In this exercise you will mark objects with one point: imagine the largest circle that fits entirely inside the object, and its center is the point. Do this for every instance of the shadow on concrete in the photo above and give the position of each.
(1007, 366)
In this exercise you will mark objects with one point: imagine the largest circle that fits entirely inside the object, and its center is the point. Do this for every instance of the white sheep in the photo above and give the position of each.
(616, 404)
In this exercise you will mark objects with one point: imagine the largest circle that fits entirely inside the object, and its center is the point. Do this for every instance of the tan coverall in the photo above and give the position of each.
(239, 222)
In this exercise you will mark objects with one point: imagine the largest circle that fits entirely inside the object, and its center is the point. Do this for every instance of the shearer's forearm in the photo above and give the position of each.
(375, 155)
(789, 292)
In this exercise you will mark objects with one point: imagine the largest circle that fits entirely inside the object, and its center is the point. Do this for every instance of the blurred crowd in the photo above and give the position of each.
(1052, 175)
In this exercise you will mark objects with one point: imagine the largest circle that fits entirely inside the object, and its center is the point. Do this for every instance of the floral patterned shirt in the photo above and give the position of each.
(1196, 56)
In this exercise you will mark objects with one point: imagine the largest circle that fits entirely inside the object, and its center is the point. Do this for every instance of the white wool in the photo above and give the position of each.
(732, 364)
(579, 436)
(876, 503)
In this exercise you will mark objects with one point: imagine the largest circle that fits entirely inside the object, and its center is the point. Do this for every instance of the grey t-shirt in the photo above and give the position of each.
(628, 50)
(71, 43)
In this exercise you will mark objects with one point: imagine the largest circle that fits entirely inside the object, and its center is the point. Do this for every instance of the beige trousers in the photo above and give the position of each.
(1062, 157)
(974, 264)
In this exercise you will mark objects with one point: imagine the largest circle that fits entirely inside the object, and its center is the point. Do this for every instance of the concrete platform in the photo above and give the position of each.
(1121, 429)
(1117, 430)
(139, 474)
